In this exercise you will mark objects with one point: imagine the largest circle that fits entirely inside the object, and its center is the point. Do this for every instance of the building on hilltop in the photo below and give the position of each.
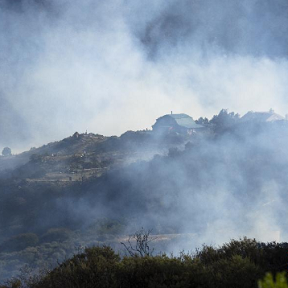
(269, 116)
(180, 123)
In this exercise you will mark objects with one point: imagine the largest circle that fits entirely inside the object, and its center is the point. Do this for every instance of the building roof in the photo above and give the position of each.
(183, 120)
(269, 116)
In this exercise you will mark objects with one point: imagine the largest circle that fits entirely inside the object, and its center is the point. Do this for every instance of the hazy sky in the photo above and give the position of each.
(111, 66)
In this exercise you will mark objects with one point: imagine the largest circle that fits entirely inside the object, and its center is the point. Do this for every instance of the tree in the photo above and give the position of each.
(140, 247)
(202, 121)
(224, 120)
(6, 151)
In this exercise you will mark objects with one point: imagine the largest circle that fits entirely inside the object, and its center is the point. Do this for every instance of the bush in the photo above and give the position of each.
(93, 268)
(268, 282)
(238, 264)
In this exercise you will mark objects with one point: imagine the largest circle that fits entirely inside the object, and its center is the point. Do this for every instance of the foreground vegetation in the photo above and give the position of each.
(236, 264)
(268, 281)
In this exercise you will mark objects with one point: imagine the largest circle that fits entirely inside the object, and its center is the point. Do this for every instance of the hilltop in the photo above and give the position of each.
(84, 155)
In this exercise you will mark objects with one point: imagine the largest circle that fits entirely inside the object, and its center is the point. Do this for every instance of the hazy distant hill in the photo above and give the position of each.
(87, 154)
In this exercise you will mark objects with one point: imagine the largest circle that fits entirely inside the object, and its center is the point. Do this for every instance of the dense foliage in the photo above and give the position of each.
(235, 264)
(268, 281)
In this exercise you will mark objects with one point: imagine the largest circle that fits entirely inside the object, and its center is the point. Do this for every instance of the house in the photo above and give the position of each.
(269, 116)
(180, 123)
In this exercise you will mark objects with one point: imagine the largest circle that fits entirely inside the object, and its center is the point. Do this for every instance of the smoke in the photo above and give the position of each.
(112, 66)
(215, 189)
(115, 66)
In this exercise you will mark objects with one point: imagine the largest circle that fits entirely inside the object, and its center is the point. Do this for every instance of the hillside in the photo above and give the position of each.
(35, 181)
(201, 188)
(81, 156)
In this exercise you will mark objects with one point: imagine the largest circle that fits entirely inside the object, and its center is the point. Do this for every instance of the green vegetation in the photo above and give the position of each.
(268, 281)
(235, 264)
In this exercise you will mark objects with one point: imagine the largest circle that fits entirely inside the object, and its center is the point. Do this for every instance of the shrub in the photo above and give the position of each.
(238, 264)
(268, 281)
(93, 268)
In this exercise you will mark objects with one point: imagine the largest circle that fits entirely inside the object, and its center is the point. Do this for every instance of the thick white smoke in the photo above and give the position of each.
(114, 66)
